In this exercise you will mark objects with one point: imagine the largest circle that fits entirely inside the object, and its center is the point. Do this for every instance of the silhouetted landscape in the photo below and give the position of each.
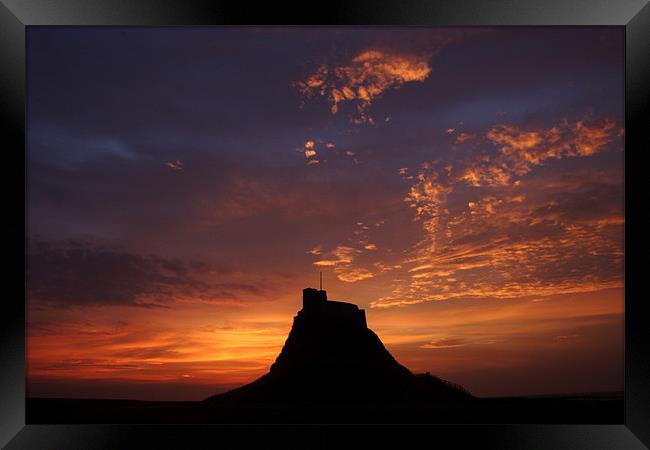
(334, 369)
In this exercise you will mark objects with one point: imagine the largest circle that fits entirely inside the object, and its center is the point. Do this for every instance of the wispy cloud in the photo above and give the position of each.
(492, 229)
(352, 275)
(444, 343)
(341, 261)
(315, 251)
(340, 256)
(364, 78)
(318, 151)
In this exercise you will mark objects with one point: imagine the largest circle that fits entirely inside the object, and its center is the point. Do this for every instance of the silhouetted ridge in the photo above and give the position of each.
(331, 356)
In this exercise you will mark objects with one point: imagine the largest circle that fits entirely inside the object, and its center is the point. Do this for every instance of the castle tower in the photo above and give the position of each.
(313, 298)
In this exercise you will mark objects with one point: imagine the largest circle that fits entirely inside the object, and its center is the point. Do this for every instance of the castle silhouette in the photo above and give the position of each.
(315, 302)
(332, 357)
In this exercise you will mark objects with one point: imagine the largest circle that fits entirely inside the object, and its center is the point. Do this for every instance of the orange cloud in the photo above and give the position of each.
(353, 275)
(491, 175)
(428, 195)
(313, 147)
(341, 255)
(523, 149)
(520, 151)
(481, 245)
(341, 261)
(364, 78)
(383, 267)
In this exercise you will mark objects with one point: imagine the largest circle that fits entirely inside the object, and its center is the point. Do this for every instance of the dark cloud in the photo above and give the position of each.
(80, 273)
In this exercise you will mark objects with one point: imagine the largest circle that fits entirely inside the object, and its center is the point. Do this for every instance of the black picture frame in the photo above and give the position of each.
(634, 15)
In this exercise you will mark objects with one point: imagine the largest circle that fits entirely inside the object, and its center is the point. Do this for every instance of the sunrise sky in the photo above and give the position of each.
(464, 186)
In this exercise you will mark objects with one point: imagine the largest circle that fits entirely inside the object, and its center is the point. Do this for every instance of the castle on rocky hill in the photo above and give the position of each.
(332, 357)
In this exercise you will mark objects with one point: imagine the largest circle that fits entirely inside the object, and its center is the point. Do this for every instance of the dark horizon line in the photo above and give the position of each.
(526, 396)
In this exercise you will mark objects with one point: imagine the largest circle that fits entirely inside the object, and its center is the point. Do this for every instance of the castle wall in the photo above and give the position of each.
(315, 304)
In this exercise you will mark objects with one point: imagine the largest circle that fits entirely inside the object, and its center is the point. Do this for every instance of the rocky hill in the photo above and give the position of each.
(332, 357)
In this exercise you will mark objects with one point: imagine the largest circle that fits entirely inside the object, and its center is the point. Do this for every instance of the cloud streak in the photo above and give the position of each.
(444, 343)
